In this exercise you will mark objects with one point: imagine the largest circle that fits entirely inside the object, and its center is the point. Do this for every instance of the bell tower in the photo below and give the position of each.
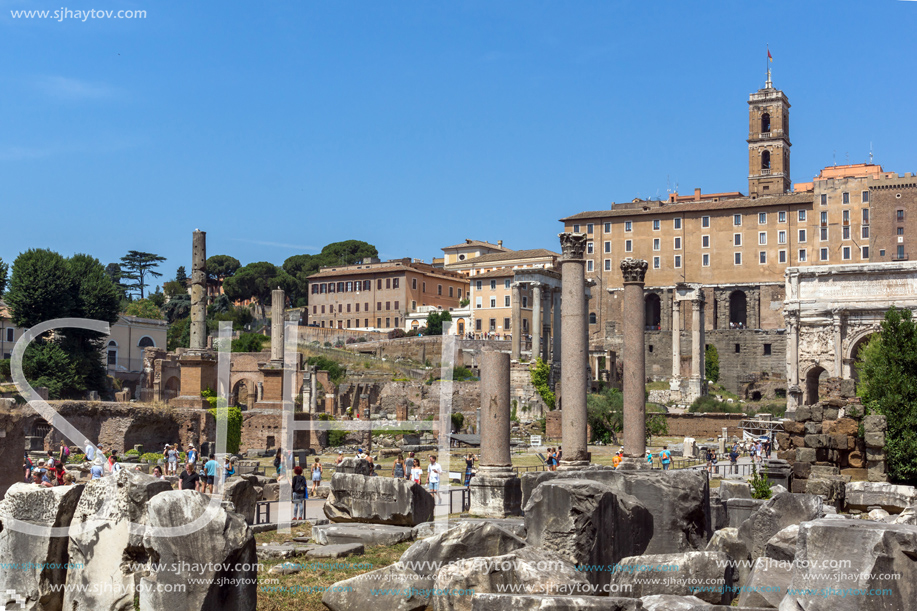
(768, 141)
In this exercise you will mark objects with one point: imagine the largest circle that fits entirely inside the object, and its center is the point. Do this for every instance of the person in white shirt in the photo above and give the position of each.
(433, 472)
(90, 451)
(416, 472)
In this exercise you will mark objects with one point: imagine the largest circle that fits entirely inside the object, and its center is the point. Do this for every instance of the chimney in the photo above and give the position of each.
(697, 195)
(500, 243)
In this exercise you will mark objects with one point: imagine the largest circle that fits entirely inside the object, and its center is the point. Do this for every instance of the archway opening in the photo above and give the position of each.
(855, 356)
(765, 123)
(766, 160)
(652, 311)
(813, 377)
(243, 394)
(172, 388)
(738, 310)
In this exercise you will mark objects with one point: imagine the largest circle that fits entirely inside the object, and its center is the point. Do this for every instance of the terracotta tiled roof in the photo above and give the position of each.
(433, 272)
(513, 255)
(468, 243)
(494, 273)
(723, 204)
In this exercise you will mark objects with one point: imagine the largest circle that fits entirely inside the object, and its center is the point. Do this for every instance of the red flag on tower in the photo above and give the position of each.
(769, 56)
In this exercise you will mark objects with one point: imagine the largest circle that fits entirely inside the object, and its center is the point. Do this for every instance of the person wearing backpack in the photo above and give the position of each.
(665, 457)
(64, 452)
(299, 493)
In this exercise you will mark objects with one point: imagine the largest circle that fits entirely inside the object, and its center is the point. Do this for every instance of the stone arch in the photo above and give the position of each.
(652, 311)
(765, 123)
(244, 393)
(172, 388)
(738, 309)
(461, 326)
(812, 377)
(766, 160)
(857, 343)
(146, 342)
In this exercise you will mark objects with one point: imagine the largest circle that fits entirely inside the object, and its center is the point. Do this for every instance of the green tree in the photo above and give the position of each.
(173, 288)
(144, 308)
(605, 414)
(256, 281)
(113, 271)
(435, 322)
(540, 376)
(136, 266)
(158, 298)
(4, 269)
(336, 373)
(220, 267)
(181, 276)
(347, 252)
(888, 386)
(179, 334)
(250, 342)
(233, 416)
(712, 364)
(177, 308)
(44, 286)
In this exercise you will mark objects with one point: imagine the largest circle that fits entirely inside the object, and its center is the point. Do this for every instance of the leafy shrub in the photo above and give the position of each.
(458, 420)
(708, 404)
(712, 364)
(605, 414)
(249, 342)
(327, 344)
(760, 484)
(76, 458)
(132, 452)
(335, 438)
(396, 333)
(5, 372)
(774, 409)
(233, 416)
(151, 457)
(336, 373)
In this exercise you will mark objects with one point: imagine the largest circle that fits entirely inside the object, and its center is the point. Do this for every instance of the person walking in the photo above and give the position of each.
(433, 473)
(734, 457)
(316, 473)
(398, 468)
(299, 486)
(469, 468)
(210, 468)
(64, 453)
(173, 460)
(708, 456)
(278, 460)
(90, 451)
(665, 457)
(192, 455)
(189, 478)
(28, 466)
(416, 472)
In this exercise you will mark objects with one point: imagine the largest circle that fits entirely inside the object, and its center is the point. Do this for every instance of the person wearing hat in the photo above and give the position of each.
(616, 461)
(649, 457)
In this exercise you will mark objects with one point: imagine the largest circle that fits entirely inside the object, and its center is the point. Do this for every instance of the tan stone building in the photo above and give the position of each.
(378, 295)
(738, 247)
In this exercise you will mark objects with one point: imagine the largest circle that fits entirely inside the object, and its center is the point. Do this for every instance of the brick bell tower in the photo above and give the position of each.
(768, 141)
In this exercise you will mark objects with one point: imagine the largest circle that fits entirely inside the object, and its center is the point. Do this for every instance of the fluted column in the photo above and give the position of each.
(573, 350)
(536, 319)
(591, 374)
(676, 338)
(516, 321)
(548, 313)
(634, 271)
(793, 391)
(556, 327)
(838, 326)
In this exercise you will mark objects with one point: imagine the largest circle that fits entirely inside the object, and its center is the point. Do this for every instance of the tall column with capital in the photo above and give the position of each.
(697, 384)
(198, 291)
(516, 321)
(278, 300)
(536, 320)
(573, 350)
(634, 271)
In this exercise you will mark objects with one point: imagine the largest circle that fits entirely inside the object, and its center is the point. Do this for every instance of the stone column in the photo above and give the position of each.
(634, 271)
(838, 328)
(556, 328)
(574, 351)
(675, 383)
(496, 492)
(536, 320)
(591, 373)
(516, 320)
(277, 302)
(199, 291)
(696, 385)
(548, 314)
(793, 391)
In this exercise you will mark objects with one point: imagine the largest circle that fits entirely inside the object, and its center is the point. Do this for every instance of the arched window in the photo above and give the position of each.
(766, 160)
(765, 123)
(592, 318)
(112, 357)
(146, 342)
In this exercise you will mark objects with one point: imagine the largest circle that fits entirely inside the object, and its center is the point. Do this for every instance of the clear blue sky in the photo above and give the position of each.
(280, 126)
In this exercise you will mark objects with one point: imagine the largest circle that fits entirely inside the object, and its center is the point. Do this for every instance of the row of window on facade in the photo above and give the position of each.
(492, 325)
(367, 285)
(479, 284)
(737, 218)
(346, 324)
(802, 257)
(340, 307)
(507, 302)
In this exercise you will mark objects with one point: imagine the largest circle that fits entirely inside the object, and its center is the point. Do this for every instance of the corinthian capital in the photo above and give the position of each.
(572, 245)
(634, 270)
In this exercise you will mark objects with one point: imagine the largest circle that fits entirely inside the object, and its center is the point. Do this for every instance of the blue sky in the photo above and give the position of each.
(280, 126)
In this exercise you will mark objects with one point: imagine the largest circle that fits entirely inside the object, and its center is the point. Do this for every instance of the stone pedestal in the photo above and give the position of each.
(198, 373)
(271, 389)
(574, 351)
(496, 492)
(634, 271)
